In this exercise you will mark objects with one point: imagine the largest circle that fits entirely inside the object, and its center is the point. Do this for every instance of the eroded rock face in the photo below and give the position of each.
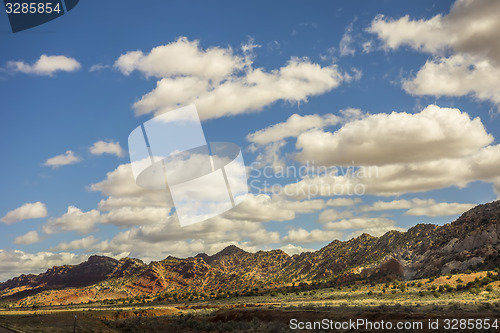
(422, 251)
(472, 239)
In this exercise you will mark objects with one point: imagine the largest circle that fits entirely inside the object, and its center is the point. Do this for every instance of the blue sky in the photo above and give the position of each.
(413, 93)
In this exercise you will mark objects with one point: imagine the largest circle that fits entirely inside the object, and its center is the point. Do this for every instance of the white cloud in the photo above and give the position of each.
(103, 147)
(471, 27)
(361, 223)
(182, 58)
(470, 32)
(46, 65)
(73, 220)
(13, 263)
(292, 127)
(83, 243)
(458, 75)
(367, 46)
(387, 205)
(98, 67)
(120, 183)
(263, 208)
(156, 241)
(270, 140)
(292, 249)
(301, 235)
(221, 83)
(270, 155)
(422, 35)
(64, 159)
(329, 215)
(419, 207)
(34, 210)
(400, 178)
(376, 231)
(110, 203)
(28, 238)
(398, 137)
(133, 216)
(340, 202)
(431, 208)
(345, 45)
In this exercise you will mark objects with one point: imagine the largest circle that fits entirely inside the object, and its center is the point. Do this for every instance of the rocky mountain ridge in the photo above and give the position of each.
(473, 240)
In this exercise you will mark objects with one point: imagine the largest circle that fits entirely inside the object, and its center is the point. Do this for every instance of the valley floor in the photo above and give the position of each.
(416, 305)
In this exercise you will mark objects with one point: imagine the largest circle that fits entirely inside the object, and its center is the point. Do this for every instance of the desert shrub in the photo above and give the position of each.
(475, 291)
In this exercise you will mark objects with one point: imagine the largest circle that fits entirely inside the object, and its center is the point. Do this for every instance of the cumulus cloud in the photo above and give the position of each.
(376, 231)
(152, 233)
(15, 262)
(457, 75)
(471, 27)
(67, 158)
(420, 207)
(401, 178)
(28, 238)
(133, 216)
(398, 137)
(292, 127)
(301, 235)
(120, 183)
(103, 147)
(432, 208)
(292, 249)
(220, 82)
(340, 202)
(156, 241)
(264, 208)
(387, 205)
(470, 32)
(361, 223)
(27, 211)
(269, 155)
(46, 65)
(73, 220)
(184, 58)
(269, 141)
(329, 215)
(77, 244)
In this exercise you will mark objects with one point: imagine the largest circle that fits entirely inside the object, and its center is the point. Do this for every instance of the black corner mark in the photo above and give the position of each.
(26, 14)
(70, 4)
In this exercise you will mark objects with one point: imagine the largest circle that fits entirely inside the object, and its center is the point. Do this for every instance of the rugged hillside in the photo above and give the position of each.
(473, 240)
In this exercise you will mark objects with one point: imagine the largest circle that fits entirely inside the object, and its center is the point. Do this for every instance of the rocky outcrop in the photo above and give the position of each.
(423, 251)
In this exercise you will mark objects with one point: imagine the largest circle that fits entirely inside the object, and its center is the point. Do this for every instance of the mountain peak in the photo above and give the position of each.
(231, 250)
(424, 250)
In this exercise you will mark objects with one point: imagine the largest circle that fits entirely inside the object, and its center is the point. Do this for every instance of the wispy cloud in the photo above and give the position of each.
(27, 211)
(46, 65)
(67, 158)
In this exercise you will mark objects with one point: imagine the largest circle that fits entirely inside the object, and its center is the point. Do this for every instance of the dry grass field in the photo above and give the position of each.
(445, 297)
